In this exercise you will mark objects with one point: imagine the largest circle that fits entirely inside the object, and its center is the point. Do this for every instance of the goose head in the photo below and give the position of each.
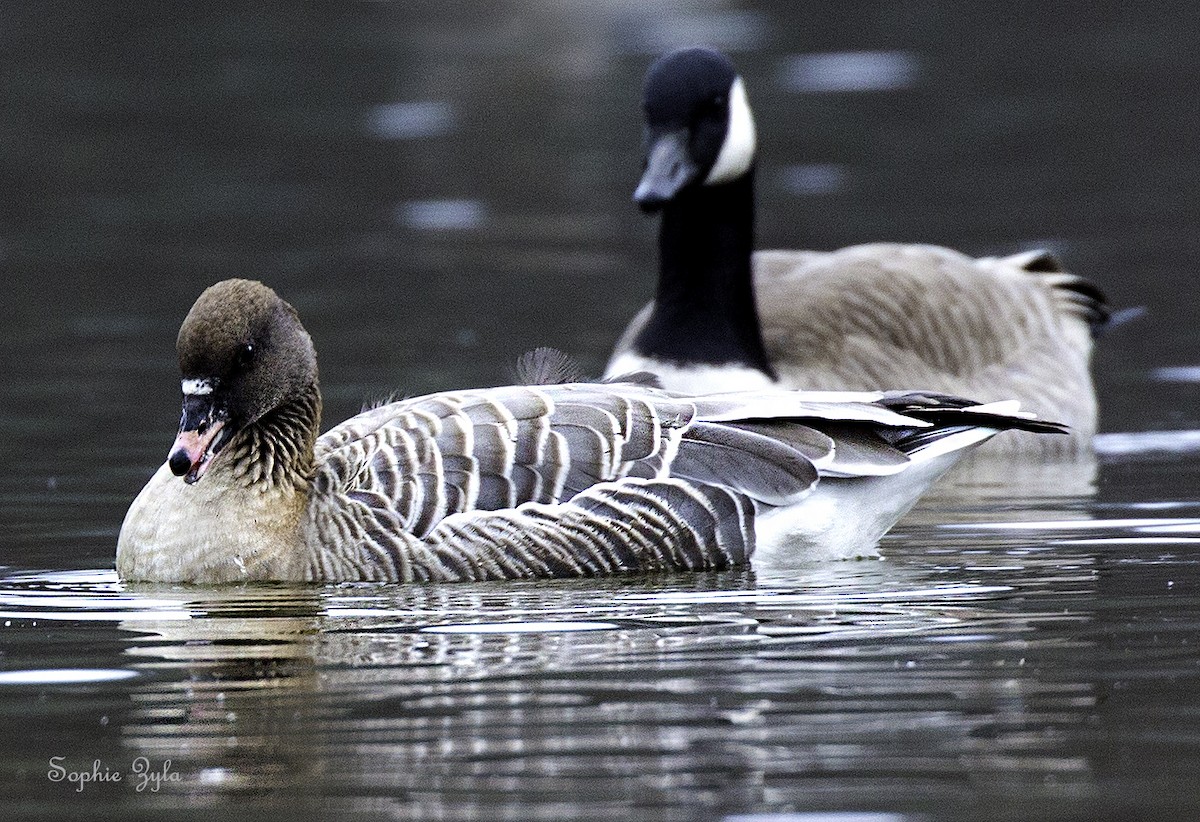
(242, 354)
(699, 128)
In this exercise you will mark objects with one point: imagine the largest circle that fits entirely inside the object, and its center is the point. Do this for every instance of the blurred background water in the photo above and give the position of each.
(438, 187)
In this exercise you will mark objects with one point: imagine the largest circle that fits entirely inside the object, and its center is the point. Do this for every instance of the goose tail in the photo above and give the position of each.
(1075, 295)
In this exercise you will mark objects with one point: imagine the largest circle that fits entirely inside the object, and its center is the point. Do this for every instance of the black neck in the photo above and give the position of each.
(704, 312)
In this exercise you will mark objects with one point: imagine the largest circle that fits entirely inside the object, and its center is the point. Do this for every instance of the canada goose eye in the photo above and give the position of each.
(717, 106)
(244, 356)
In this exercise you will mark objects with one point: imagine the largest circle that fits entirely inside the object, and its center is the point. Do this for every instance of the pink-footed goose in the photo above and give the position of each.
(866, 317)
(520, 481)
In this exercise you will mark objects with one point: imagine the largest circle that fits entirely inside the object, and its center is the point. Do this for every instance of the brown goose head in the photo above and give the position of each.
(242, 353)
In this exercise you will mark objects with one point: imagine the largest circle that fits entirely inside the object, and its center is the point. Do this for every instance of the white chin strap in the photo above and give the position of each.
(737, 152)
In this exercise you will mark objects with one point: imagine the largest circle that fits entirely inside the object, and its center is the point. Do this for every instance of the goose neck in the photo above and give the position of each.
(705, 307)
(277, 450)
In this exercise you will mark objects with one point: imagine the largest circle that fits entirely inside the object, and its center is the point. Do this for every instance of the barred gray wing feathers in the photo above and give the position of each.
(430, 457)
(635, 525)
(583, 479)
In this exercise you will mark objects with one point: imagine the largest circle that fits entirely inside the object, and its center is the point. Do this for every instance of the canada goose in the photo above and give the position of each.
(521, 481)
(862, 318)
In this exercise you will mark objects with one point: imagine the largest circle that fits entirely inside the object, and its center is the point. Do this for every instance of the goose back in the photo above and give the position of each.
(885, 315)
(582, 479)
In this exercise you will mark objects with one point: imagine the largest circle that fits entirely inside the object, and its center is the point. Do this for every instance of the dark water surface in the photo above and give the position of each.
(438, 187)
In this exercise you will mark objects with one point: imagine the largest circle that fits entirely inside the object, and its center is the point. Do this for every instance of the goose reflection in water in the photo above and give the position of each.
(477, 694)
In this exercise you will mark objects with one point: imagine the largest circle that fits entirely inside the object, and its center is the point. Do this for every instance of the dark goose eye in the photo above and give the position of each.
(245, 355)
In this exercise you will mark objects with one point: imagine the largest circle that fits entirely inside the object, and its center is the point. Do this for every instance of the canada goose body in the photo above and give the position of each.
(861, 318)
(520, 481)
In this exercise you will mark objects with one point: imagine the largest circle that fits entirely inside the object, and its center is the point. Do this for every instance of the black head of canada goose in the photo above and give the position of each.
(567, 479)
(861, 318)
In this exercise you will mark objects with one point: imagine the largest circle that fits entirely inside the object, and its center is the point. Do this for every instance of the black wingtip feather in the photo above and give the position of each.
(948, 411)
